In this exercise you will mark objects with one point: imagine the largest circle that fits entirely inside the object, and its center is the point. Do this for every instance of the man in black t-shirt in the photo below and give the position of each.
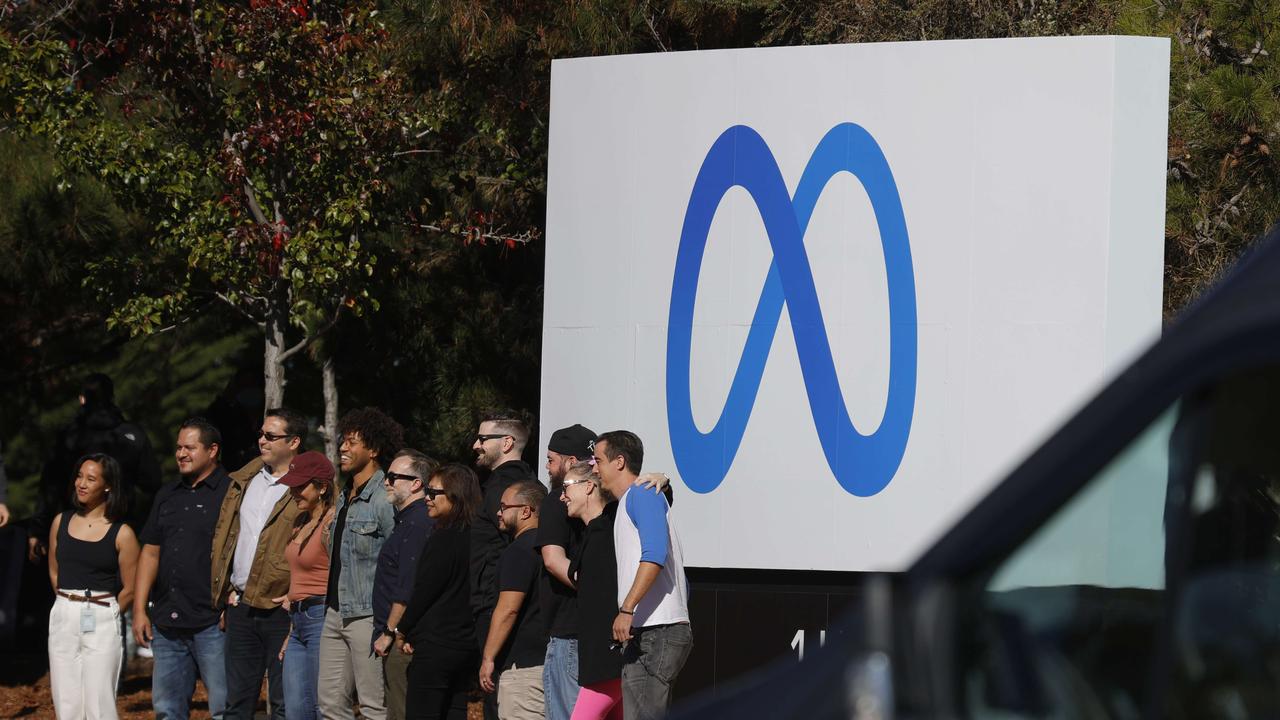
(558, 539)
(499, 443)
(516, 641)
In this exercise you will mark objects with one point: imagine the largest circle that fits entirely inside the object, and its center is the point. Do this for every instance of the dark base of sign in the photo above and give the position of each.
(745, 619)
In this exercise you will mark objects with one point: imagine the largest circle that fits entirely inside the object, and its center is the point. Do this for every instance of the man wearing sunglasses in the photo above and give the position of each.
(249, 579)
(405, 482)
(499, 443)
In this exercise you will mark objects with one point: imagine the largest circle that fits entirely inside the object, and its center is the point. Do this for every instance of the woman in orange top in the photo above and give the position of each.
(310, 481)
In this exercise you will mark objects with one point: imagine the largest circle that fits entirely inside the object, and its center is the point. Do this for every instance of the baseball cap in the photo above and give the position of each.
(574, 440)
(308, 466)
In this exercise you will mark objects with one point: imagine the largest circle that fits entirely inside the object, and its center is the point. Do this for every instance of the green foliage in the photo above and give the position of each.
(1224, 183)
(180, 160)
(840, 21)
(160, 381)
(256, 141)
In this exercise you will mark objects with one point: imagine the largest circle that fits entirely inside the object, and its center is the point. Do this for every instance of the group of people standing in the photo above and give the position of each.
(400, 590)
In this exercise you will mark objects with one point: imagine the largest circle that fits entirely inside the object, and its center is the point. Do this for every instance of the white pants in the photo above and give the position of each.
(84, 667)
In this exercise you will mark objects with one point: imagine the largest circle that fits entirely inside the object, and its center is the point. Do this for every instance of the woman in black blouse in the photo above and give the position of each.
(92, 556)
(595, 570)
(438, 618)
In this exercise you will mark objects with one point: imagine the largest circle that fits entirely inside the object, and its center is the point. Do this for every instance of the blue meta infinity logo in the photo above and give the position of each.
(863, 464)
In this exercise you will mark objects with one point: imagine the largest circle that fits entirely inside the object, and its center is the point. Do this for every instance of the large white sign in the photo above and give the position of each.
(839, 291)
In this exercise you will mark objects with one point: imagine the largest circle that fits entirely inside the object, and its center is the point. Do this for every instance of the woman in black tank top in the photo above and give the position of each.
(92, 555)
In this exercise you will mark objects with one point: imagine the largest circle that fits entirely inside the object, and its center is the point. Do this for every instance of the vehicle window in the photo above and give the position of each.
(1155, 590)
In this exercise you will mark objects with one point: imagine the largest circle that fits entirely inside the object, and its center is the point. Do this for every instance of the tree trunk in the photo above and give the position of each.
(331, 440)
(272, 367)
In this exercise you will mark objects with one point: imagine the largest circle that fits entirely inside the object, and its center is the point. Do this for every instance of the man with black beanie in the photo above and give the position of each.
(558, 538)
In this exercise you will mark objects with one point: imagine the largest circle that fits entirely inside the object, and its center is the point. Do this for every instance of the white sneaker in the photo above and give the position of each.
(145, 652)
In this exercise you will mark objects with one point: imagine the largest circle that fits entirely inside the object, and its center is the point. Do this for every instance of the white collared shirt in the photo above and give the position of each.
(260, 497)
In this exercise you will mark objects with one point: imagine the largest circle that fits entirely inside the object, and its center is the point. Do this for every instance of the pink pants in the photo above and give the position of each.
(602, 701)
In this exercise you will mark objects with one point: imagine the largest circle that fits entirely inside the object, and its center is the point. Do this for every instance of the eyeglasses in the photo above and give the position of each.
(503, 507)
(272, 437)
(485, 438)
(390, 478)
(567, 483)
(433, 493)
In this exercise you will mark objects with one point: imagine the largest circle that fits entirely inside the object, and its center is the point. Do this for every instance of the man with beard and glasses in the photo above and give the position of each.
(512, 657)
(405, 483)
(558, 538)
(499, 443)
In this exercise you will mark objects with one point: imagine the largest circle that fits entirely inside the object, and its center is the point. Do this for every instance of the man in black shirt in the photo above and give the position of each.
(558, 539)
(499, 444)
(99, 426)
(397, 562)
(516, 642)
(180, 623)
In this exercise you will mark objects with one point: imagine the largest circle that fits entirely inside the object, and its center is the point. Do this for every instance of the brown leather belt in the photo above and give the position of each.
(100, 600)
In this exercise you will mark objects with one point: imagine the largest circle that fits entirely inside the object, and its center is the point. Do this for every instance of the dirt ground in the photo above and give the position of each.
(32, 700)
(134, 703)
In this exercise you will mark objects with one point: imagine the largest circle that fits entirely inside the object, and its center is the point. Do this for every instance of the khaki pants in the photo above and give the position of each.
(349, 670)
(520, 694)
(395, 668)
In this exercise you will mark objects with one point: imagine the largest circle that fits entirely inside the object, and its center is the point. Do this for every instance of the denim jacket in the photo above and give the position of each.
(369, 522)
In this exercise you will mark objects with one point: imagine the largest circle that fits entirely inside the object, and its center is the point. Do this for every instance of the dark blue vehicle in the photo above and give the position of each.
(1129, 568)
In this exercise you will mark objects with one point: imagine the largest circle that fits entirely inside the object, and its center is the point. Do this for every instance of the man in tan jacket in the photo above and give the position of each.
(250, 573)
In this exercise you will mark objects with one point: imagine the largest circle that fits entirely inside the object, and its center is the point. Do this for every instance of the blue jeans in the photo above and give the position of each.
(302, 663)
(181, 655)
(560, 677)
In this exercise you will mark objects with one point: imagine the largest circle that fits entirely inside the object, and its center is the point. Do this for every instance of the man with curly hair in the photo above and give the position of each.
(349, 669)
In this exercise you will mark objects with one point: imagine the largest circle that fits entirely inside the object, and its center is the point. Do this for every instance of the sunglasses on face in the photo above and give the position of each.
(482, 439)
(390, 478)
(272, 437)
(433, 493)
(567, 483)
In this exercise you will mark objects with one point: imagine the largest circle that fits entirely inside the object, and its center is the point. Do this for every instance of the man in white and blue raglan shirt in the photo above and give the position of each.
(653, 595)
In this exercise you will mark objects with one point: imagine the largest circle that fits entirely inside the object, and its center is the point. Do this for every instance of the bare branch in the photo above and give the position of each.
(195, 35)
(398, 153)
(494, 235)
(238, 307)
(312, 337)
(34, 31)
(653, 30)
(251, 196)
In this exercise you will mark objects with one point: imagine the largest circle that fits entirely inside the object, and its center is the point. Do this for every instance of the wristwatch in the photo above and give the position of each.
(390, 632)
